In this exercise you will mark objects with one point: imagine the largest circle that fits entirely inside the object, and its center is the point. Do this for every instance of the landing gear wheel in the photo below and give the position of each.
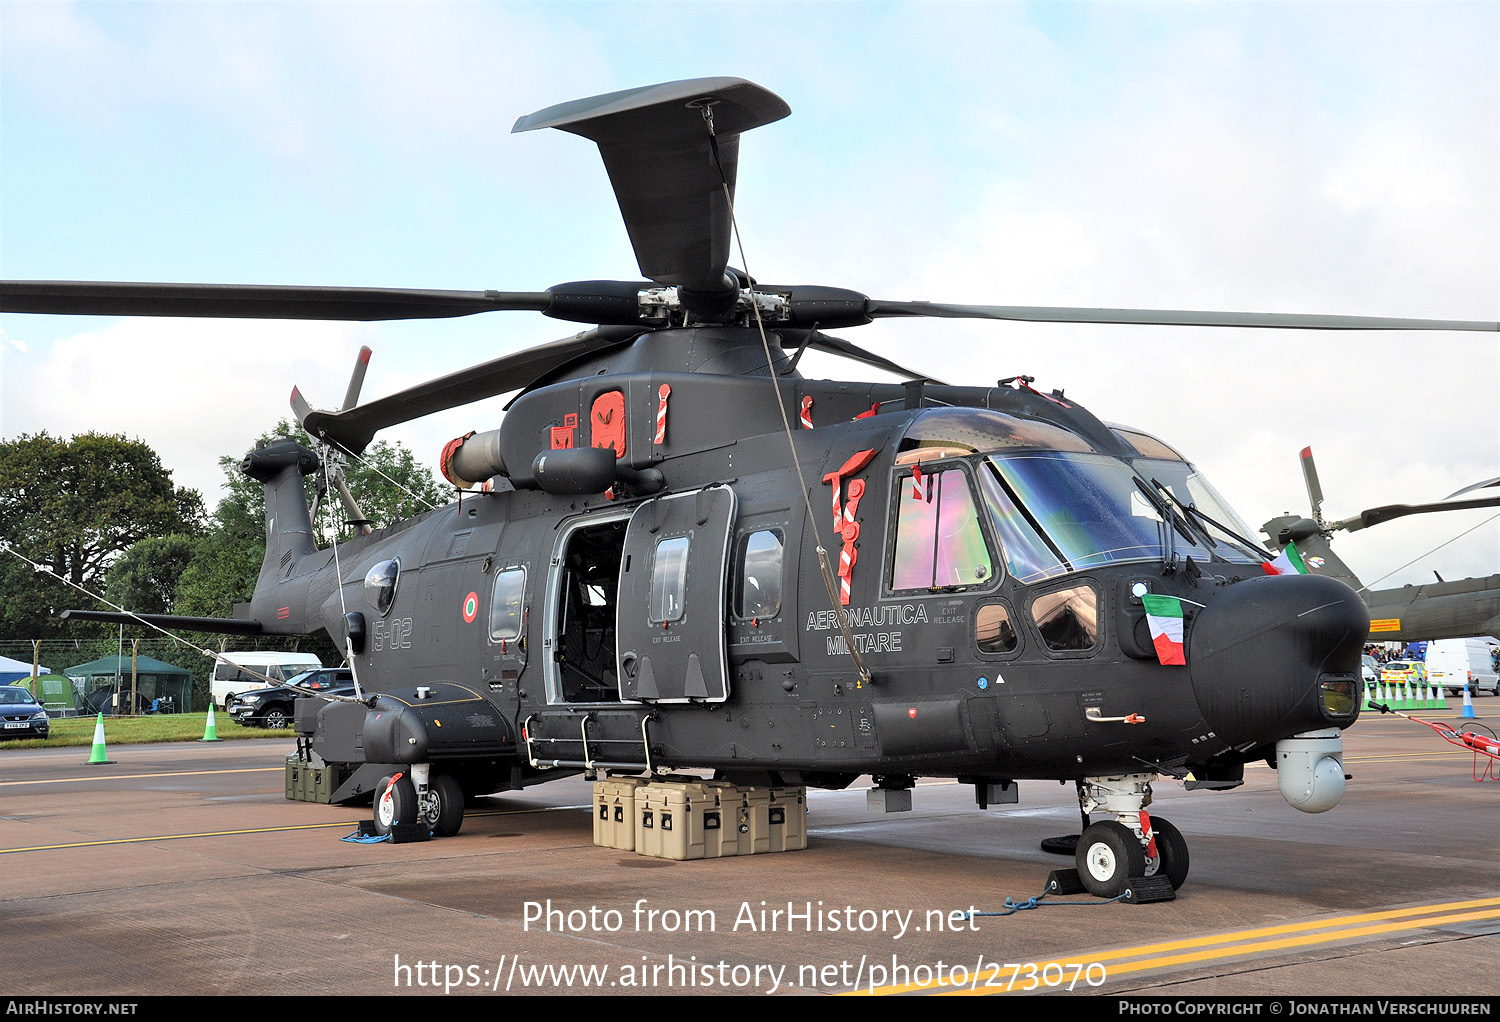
(1108, 855)
(399, 807)
(444, 811)
(1171, 853)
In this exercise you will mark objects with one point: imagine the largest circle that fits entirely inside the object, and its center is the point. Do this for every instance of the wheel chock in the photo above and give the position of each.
(401, 833)
(1144, 890)
(1065, 881)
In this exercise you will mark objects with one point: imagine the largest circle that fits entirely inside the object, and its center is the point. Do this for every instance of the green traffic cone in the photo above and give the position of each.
(98, 755)
(210, 730)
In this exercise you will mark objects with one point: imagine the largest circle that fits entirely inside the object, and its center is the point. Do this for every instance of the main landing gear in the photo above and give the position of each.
(1130, 846)
(436, 800)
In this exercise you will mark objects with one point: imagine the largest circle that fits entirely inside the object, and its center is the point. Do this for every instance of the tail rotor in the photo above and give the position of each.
(334, 464)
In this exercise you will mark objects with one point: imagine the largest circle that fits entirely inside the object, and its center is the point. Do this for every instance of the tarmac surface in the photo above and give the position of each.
(181, 869)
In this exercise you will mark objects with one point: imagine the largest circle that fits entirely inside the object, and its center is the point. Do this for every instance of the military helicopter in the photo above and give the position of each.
(684, 554)
(1435, 610)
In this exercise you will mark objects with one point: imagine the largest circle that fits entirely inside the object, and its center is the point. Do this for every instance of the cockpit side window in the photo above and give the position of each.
(939, 542)
(380, 585)
(1068, 619)
(994, 632)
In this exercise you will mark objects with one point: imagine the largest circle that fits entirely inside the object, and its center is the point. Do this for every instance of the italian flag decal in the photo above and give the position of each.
(1288, 562)
(1164, 615)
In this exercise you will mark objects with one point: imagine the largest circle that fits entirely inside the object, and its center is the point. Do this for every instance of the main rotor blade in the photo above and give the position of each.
(838, 346)
(353, 430)
(1168, 317)
(1376, 515)
(656, 146)
(256, 301)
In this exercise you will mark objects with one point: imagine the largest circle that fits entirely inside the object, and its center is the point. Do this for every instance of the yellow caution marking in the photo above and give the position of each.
(136, 777)
(1342, 928)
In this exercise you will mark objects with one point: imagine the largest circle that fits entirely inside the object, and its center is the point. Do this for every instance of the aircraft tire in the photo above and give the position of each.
(449, 815)
(401, 807)
(1171, 853)
(1108, 856)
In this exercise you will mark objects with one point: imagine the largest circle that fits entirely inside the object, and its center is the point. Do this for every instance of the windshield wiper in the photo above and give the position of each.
(1247, 546)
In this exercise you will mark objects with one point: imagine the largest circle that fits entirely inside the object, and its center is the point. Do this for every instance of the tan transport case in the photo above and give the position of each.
(614, 812)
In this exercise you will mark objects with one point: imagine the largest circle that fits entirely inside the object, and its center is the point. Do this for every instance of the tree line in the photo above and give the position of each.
(102, 512)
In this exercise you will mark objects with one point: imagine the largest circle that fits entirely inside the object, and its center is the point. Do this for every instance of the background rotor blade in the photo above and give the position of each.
(353, 430)
(1376, 515)
(1169, 317)
(256, 301)
(1476, 486)
(655, 145)
(1310, 477)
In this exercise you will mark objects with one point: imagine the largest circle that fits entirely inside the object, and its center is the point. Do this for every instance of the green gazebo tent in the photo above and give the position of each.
(166, 686)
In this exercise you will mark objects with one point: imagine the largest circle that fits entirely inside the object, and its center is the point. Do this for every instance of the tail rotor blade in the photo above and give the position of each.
(356, 379)
(300, 407)
(357, 519)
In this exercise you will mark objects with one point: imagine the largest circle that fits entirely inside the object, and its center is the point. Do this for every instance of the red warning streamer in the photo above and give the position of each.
(843, 516)
(662, 393)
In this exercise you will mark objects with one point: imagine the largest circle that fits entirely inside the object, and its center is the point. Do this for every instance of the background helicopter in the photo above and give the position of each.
(633, 533)
(1444, 609)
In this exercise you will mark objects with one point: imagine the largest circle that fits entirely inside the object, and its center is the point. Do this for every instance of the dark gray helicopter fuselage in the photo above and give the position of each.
(545, 623)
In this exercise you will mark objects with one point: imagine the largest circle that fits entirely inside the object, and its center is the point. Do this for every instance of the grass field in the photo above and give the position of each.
(177, 727)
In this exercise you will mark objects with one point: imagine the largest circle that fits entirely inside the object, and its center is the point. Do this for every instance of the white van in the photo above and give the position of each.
(1452, 663)
(230, 672)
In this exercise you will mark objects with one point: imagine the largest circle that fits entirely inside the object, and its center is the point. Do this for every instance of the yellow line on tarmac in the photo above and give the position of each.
(175, 837)
(136, 777)
(1341, 928)
(254, 830)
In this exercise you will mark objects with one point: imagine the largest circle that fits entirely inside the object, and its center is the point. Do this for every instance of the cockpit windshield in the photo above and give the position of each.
(949, 432)
(1057, 511)
(1232, 538)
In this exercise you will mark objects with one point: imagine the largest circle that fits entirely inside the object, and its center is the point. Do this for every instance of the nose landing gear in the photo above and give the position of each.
(1132, 846)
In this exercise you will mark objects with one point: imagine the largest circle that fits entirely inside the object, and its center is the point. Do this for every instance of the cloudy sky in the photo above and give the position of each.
(1286, 157)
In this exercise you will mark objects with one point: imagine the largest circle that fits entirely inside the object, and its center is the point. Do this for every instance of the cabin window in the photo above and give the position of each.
(993, 630)
(939, 542)
(1068, 619)
(507, 605)
(380, 585)
(758, 588)
(669, 580)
